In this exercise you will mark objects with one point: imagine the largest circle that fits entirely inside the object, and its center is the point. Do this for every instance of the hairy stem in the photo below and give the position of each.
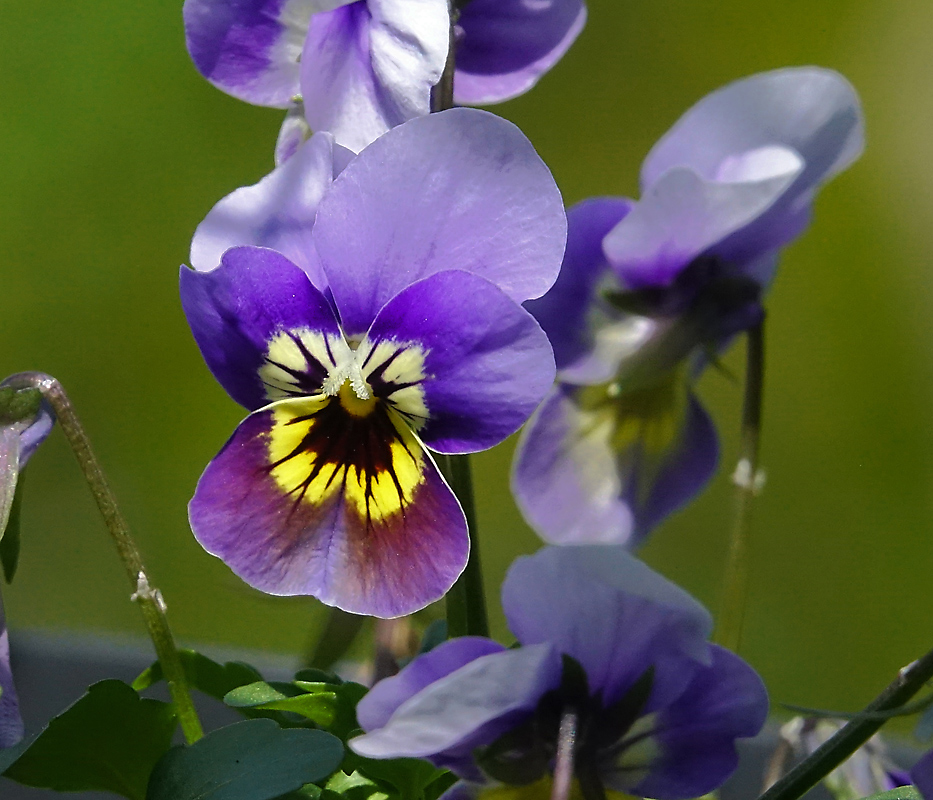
(149, 598)
(748, 482)
(564, 761)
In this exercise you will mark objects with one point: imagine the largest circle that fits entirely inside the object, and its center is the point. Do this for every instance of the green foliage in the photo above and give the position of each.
(109, 740)
(214, 679)
(315, 701)
(900, 793)
(250, 760)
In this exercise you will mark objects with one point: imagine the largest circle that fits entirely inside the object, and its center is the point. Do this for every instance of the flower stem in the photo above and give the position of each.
(564, 760)
(748, 481)
(149, 598)
(466, 601)
(853, 734)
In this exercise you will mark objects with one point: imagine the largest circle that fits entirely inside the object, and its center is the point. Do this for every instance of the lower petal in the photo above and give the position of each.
(292, 510)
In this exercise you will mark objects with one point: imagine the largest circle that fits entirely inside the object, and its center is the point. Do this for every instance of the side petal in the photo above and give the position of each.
(260, 325)
(695, 736)
(307, 499)
(470, 707)
(507, 45)
(814, 112)
(683, 214)
(369, 66)
(565, 310)
(278, 212)
(376, 708)
(610, 612)
(922, 775)
(461, 189)
(483, 365)
(11, 723)
(597, 466)
(251, 48)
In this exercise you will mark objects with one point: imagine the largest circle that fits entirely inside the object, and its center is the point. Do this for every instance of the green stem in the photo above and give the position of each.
(747, 479)
(466, 601)
(853, 735)
(149, 598)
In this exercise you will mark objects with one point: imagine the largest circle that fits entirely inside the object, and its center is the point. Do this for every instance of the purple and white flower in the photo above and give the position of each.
(389, 319)
(19, 439)
(360, 68)
(658, 707)
(649, 289)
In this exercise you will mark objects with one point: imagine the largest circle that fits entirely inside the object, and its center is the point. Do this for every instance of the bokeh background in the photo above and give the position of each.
(112, 149)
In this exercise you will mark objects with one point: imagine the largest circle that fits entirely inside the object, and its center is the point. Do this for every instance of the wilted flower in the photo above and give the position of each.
(649, 290)
(602, 637)
(360, 68)
(394, 321)
(20, 436)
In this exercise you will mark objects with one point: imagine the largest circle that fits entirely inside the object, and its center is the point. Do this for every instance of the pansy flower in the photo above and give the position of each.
(603, 637)
(19, 439)
(391, 322)
(650, 289)
(357, 69)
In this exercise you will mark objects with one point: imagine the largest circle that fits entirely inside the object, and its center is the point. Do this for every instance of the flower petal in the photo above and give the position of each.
(610, 612)
(461, 189)
(375, 709)
(922, 775)
(682, 215)
(597, 466)
(11, 723)
(278, 212)
(250, 48)
(466, 708)
(814, 112)
(484, 366)
(256, 319)
(696, 734)
(369, 66)
(565, 311)
(314, 496)
(507, 45)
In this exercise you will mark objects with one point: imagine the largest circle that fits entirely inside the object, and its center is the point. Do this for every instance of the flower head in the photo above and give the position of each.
(651, 289)
(394, 321)
(357, 69)
(20, 436)
(658, 707)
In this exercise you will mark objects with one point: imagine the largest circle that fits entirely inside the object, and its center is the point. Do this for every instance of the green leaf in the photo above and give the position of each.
(407, 777)
(345, 723)
(314, 675)
(250, 760)
(355, 786)
(208, 676)
(315, 701)
(109, 740)
(900, 793)
(9, 537)
(434, 634)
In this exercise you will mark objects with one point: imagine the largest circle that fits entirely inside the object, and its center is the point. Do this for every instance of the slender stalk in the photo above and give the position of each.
(149, 598)
(339, 632)
(564, 761)
(747, 479)
(466, 601)
(853, 735)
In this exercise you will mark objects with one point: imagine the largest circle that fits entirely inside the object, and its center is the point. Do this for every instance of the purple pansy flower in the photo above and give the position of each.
(18, 441)
(390, 320)
(658, 711)
(650, 288)
(357, 69)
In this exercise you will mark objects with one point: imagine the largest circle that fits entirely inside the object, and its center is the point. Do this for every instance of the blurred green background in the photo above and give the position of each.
(112, 149)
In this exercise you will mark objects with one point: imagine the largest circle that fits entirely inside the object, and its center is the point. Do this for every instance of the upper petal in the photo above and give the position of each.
(257, 320)
(814, 112)
(484, 364)
(566, 311)
(369, 66)
(309, 497)
(507, 45)
(467, 708)
(612, 613)
(683, 214)
(461, 189)
(278, 212)
(251, 48)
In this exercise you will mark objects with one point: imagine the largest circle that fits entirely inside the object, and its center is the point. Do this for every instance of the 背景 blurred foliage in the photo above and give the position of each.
(112, 149)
